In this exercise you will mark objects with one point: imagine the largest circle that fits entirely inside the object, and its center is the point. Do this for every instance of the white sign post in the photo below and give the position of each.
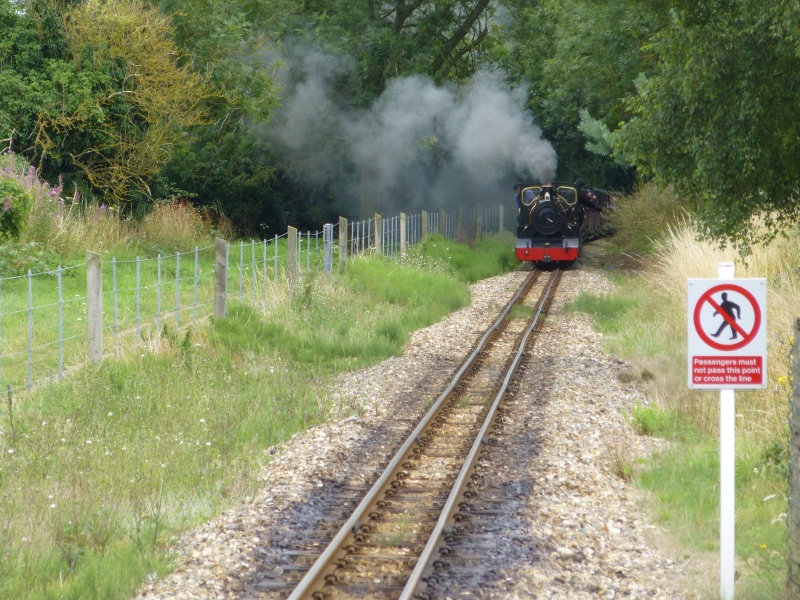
(727, 335)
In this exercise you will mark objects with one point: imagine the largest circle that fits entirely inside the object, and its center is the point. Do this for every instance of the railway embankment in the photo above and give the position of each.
(576, 527)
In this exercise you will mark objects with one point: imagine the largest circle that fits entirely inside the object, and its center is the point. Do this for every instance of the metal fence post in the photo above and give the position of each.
(30, 330)
(177, 290)
(220, 277)
(342, 244)
(403, 227)
(94, 306)
(158, 296)
(60, 325)
(793, 555)
(114, 299)
(291, 258)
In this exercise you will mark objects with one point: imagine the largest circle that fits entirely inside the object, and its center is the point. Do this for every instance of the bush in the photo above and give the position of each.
(15, 206)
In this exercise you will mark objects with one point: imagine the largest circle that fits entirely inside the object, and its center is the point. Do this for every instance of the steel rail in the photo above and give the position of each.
(310, 581)
(448, 510)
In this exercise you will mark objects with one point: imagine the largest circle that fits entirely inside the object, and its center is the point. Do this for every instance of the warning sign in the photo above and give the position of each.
(727, 333)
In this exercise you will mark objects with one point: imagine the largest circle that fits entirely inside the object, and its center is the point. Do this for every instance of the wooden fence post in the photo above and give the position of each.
(501, 218)
(94, 306)
(220, 277)
(793, 555)
(327, 247)
(378, 233)
(424, 232)
(443, 223)
(342, 244)
(478, 222)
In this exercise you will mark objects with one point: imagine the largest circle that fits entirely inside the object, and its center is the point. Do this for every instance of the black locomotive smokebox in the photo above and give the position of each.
(547, 218)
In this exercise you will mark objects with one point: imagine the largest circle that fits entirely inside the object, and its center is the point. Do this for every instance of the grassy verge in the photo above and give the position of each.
(683, 481)
(100, 472)
(645, 322)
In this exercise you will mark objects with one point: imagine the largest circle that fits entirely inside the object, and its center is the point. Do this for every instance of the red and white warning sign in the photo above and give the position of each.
(727, 333)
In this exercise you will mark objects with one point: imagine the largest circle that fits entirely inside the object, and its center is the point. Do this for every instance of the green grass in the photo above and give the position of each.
(684, 480)
(684, 485)
(98, 473)
(491, 256)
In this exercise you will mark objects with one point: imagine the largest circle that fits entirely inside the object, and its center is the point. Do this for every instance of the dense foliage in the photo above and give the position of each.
(717, 119)
(136, 101)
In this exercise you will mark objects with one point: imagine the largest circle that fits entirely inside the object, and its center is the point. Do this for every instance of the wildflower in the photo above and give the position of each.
(52, 506)
(88, 442)
(110, 414)
(202, 420)
(11, 451)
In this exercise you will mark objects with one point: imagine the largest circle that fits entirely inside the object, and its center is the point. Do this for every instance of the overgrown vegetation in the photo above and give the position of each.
(645, 321)
(98, 473)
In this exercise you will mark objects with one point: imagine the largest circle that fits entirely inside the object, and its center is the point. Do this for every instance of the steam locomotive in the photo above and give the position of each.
(555, 219)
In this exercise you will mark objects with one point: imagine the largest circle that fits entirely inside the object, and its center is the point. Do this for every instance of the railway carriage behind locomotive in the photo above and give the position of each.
(555, 220)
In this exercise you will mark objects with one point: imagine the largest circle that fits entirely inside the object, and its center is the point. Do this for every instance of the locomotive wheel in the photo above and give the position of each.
(547, 219)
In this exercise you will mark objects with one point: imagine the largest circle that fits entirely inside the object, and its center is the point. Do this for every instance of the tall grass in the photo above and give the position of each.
(646, 321)
(642, 217)
(62, 225)
(99, 472)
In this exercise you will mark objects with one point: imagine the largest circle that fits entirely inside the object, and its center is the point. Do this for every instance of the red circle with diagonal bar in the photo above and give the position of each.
(747, 337)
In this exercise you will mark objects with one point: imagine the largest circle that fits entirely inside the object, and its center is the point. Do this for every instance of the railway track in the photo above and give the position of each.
(406, 535)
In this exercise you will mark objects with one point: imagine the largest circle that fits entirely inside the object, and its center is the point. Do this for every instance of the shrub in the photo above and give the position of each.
(15, 206)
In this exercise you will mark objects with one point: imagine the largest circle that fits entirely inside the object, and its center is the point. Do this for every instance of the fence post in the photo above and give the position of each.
(327, 247)
(220, 277)
(291, 258)
(94, 306)
(378, 233)
(501, 219)
(478, 222)
(342, 244)
(403, 229)
(793, 556)
(424, 224)
(443, 223)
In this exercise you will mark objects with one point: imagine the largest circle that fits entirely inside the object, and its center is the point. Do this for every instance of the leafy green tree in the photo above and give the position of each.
(99, 93)
(718, 118)
(228, 166)
(443, 39)
(580, 59)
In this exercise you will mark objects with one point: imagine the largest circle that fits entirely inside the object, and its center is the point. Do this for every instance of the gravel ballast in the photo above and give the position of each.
(579, 530)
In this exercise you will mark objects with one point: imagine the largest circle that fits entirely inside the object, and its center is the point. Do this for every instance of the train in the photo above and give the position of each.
(555, 219)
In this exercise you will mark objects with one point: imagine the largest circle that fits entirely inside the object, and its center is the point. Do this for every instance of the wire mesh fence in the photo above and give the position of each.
(45, 316)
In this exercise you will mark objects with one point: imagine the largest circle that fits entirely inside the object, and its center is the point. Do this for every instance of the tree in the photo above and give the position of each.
(580, 59)
(718, 117)
(92, 90)
(119, 102)
(443, 39)
(228, 164)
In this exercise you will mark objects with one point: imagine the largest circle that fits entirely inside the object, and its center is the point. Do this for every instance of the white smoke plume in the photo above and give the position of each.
(418, 145)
